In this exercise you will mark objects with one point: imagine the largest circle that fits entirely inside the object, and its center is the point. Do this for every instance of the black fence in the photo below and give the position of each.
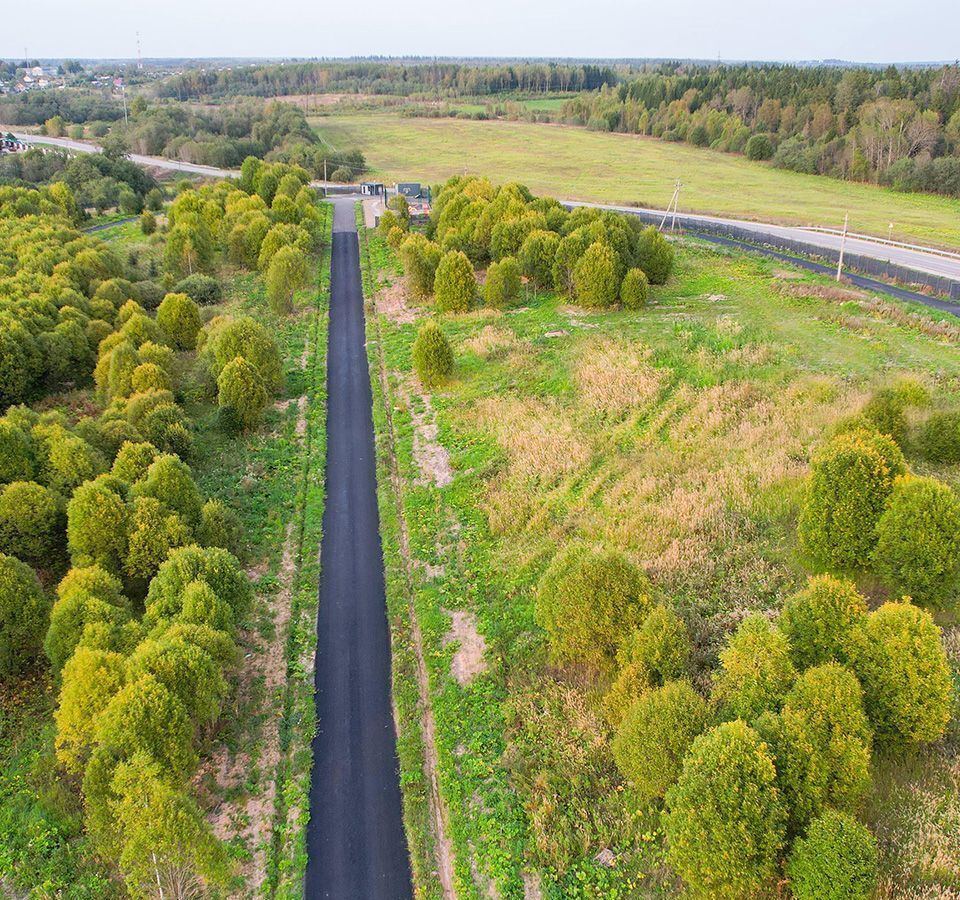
(877, 268)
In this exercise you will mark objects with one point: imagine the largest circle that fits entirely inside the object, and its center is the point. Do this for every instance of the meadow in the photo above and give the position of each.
(679, 434)
(577, 164)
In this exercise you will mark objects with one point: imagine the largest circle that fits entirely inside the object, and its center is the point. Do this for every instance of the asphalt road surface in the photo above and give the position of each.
(355, 841)
(919, 258)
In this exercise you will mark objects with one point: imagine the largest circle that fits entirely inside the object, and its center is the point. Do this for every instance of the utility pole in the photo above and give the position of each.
(324, 176)
(843, 243)
(139, 55)
(671, 205)
(123, 95)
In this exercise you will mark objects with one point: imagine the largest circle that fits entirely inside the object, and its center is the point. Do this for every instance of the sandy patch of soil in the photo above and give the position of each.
(468, 659)
(431, 456)
(392, 302)
(531, 886)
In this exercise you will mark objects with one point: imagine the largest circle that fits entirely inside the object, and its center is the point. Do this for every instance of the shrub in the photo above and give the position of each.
(823, 749)
(149, 377)
(179, 318)
(918, 541)
(455, 285)
(170, 481)
(837, 860)
(16, 453)
(69, 618)
(432, 355)
(536, 257)
(145, 716)
(149, 294)
(202, 289)
(938, 439)
(401, 208)
(655, 735)
(725, 822)
(154, 532)
(242, 336)
(759, 147)
(220, 527)
(148, 222)
(903, 669)
(139, 329)
(755, 670)
(420, 258)
(341, 175)
(886, 411)
(852, 478)
(97, 522)
(595, 277)
(396, 237)
(128, 311)
(201, 606)
(388, 221)
(502, 286)
(66, 460)
(240, 386)
(634, 289)
(820, 621)
(218, 644)
(95, 581)
(587, 601)
(23, 616)
(90, 680)
(31, 522)
(287, 273)
(654, 255)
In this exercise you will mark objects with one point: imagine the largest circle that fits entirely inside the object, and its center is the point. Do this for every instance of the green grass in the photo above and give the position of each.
(739, 368)
(577, 164)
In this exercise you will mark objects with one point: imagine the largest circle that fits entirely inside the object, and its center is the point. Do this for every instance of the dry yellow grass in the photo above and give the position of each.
(613, 376)
(490, 340)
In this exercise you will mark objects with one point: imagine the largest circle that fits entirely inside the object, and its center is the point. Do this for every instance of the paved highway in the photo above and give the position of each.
(923, 259)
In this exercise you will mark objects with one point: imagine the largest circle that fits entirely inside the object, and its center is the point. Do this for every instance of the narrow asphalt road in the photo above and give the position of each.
(355, 841)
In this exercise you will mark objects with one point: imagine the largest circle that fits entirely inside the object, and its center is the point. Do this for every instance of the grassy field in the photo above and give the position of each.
(585, 165)
(679, 434)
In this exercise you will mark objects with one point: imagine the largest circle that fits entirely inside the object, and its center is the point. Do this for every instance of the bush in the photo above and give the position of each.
(823, 749)
(240, 387)
(420, 258)
(634, 289)
(852, 478)
(938, 439)
(387, 222)
(149, 377)
(654, 255)
(595, 277)
(655, 735)
(170, 481)
(16, 453)
(148, 222)
(179, 318)
(202, 289)
(918, 541)
(502, 286)
(759, 147)
(837, 860)
(287, 273)
(95, 581)
(536, 257)
(821, 620)
(70, 616)
(395, 238)
(432, 355)
(455, 284)
(154, 532)
(903, 669)
(755, 670)
(401, 208)
(229, 338)
(725, 822)
(97, 522)
(587, 601)
(886, 411)
(31, 522)
(220, 527)
(23, 616)
(341, 175)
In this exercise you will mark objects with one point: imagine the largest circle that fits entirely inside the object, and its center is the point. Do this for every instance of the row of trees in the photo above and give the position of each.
(898, 126)
(598, 258)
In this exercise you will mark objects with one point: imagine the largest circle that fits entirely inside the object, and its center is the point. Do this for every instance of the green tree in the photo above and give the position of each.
(759, 147)
(16, 453)
(240, 387)
(95, 581)
(502, 286)
(170, 481)
(179, 320)
(432, 355)
(654, 255)
(755, 670)
(220, 527)
(918, 541)
(455, 284)
(97, 524)
(189, 248)
(938, 439)
(288, 273)
(242, 336)
(821, 620)
(569, 251)
(587, 601)
(823, 750)
(903, 669)
(634, 289)
(23, 616)
(154, 532)
(851, 480)
(69, 619)
(595, 277)
(31, 522)
(838, 859)
(420, 258)
(656, 734)
(536, 256)
(886, 411)
(725, 821)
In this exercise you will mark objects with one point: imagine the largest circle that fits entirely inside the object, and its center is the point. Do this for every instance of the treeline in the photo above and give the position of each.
(35, 107)
(447, 79)
(900, 127)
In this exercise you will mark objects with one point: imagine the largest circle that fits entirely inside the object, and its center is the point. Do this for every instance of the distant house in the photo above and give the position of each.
(412, 190)
(10, 144)
(373, 188)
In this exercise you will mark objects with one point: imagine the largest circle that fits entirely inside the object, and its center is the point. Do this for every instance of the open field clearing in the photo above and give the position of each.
(680, 435)
(616, 168)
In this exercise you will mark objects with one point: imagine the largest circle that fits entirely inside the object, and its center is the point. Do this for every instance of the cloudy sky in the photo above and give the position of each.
(880, 30)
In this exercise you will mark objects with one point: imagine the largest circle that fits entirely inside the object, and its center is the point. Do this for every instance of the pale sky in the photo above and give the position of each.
(875, 31)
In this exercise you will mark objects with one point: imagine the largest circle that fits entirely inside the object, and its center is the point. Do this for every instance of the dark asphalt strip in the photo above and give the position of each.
(355, 840)
(862, 281)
